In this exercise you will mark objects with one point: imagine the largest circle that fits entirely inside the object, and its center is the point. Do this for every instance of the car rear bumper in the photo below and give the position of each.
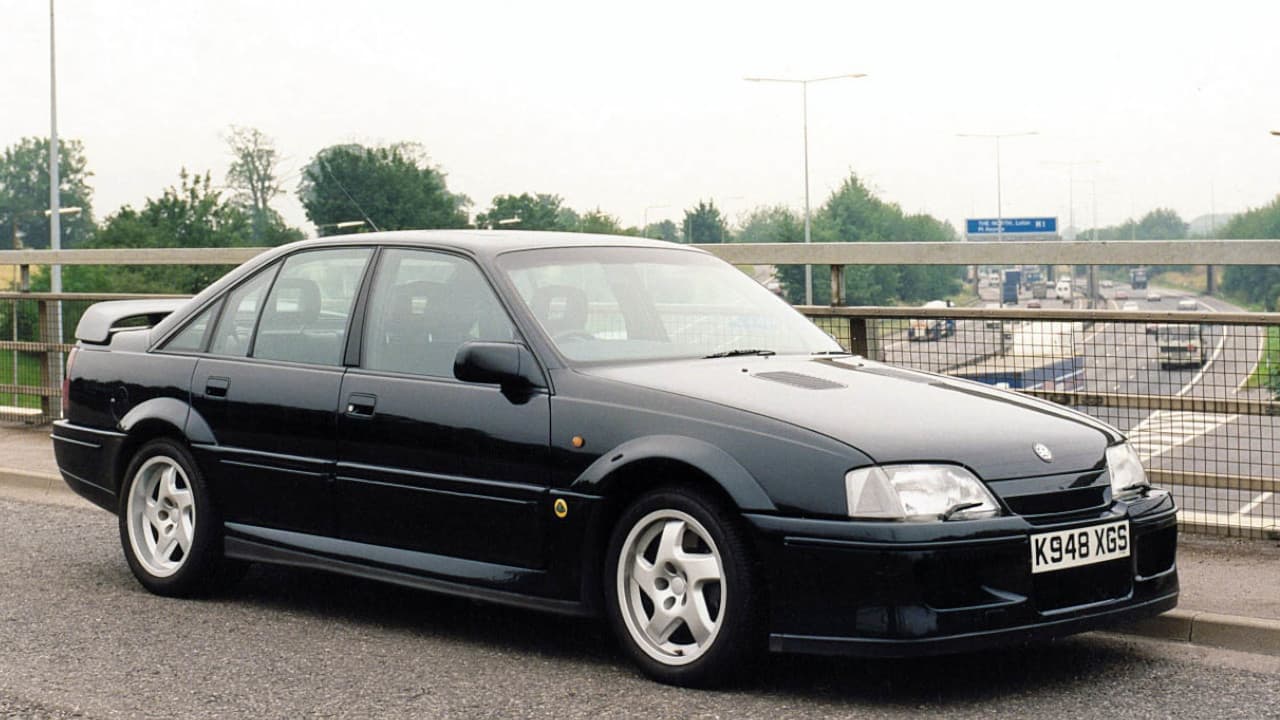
(87, 458)
(889, 590)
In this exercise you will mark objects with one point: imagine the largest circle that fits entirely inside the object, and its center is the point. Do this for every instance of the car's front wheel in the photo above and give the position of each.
(680, 588)
(169, 526)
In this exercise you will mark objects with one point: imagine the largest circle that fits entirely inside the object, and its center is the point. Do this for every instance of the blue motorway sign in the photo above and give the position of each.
(1012, 226)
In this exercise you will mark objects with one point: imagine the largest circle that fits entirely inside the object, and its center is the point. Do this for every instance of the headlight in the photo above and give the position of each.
(917, 493)
(1128, 479)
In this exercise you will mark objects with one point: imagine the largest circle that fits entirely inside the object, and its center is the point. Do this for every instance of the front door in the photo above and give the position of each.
(427, 462)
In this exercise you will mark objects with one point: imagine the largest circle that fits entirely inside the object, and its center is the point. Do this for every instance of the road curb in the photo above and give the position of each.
(1230, 632)
(29, 482)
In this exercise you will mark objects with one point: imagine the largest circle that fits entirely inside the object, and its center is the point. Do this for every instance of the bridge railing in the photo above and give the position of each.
(1208, 429)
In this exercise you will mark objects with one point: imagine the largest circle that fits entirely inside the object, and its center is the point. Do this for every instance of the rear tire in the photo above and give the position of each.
(680, 589)
(170, 528)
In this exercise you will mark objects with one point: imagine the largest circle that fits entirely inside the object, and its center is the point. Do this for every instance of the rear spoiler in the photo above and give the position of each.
(104, 318)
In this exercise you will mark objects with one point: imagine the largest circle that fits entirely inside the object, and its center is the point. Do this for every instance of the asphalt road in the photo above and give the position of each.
(80, 638)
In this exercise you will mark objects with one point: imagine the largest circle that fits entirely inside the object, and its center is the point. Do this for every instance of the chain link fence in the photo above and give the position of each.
(1195, 391)
(37, 330)
(1192, 385)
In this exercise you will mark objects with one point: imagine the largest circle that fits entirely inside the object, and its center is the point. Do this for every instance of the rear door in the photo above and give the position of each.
(427, 462)
(268, 389)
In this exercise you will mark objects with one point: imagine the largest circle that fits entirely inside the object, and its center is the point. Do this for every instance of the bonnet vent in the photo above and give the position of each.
(800, 380)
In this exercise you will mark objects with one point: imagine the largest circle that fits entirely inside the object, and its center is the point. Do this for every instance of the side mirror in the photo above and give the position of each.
(503, 363)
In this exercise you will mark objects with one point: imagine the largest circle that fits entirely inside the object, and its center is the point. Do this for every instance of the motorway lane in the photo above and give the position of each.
(971, 340)
(1190, 441)
(79, 638)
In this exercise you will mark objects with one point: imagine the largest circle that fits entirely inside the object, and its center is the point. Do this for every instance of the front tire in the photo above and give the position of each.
(170, 528)
(680, 588)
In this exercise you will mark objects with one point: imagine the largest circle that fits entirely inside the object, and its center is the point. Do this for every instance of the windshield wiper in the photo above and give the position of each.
(959, 507)
(739, 352)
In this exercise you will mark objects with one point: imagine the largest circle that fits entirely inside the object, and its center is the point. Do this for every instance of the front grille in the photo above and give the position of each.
(1047, 498)
(1082, 585)
(1058, 501)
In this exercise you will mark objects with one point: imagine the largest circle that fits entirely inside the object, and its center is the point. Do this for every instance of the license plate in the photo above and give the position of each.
(1083, 546)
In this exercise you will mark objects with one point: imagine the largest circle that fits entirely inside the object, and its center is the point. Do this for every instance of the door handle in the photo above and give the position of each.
(361, 405)
(217, 387)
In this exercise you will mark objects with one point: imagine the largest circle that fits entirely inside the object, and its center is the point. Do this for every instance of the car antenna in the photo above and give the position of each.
(344, 192)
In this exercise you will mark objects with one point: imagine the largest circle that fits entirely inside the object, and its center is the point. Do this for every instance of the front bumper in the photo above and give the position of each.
(898, 589)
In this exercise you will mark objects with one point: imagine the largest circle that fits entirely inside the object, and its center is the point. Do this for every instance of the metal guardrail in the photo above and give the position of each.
(1209, 432)
(1116, 252)
(31, 353)
(1103, 252)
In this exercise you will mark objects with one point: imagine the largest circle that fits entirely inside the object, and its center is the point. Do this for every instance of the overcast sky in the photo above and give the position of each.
(627, 106)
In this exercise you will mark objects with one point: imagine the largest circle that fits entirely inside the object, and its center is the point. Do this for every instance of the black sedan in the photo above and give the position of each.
(605, 427)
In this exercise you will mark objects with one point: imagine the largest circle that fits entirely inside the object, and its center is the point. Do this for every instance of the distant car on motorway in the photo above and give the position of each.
(1122, 294)
(1153, 296)
(1179, 344)
(1033, 303)
(597, 426)
(1106, 283)
(992, 323)
(1188, 304)
(1130, 306)
(933, 328)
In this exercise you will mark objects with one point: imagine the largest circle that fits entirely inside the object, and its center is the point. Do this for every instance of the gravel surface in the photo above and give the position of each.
(80, 638)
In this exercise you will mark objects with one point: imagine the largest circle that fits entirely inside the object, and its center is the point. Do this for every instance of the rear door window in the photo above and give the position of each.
(192, 337)
(305, 316)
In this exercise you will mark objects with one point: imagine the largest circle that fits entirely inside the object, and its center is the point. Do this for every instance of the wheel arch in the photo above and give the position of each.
(155, 418)
(621, 475)
(675, 451)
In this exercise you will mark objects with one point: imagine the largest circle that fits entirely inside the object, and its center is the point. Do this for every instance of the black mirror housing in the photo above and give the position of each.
(502, 363)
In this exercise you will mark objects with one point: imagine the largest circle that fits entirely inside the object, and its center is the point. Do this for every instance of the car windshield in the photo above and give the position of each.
(618, 304)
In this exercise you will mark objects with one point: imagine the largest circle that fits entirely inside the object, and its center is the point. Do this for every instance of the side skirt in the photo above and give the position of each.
(256, 551)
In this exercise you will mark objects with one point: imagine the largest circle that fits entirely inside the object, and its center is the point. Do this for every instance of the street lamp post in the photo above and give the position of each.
(644, 229)
(804, 99)
(999, 196)
(1071, 166)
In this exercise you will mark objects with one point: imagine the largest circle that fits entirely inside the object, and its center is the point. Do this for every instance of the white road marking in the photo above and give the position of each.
(1164, 430)
(1251, 505)
(1203, 518)
(1204, 368)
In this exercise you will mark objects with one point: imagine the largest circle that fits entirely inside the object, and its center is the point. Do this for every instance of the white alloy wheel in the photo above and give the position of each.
(671, 588)
(161, 516)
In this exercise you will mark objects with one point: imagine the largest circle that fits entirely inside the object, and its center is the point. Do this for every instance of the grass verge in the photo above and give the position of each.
(28, 374)
(1267, 373)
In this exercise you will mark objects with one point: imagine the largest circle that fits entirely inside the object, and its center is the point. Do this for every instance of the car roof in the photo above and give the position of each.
(489, 243)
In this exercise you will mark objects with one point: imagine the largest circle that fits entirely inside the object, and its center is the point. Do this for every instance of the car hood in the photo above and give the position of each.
(890, 414)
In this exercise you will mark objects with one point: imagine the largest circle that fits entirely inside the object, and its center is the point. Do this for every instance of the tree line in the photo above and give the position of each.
(353, 187)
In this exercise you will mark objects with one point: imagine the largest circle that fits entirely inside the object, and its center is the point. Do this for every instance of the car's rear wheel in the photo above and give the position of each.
(169, 526)
(680, 588)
